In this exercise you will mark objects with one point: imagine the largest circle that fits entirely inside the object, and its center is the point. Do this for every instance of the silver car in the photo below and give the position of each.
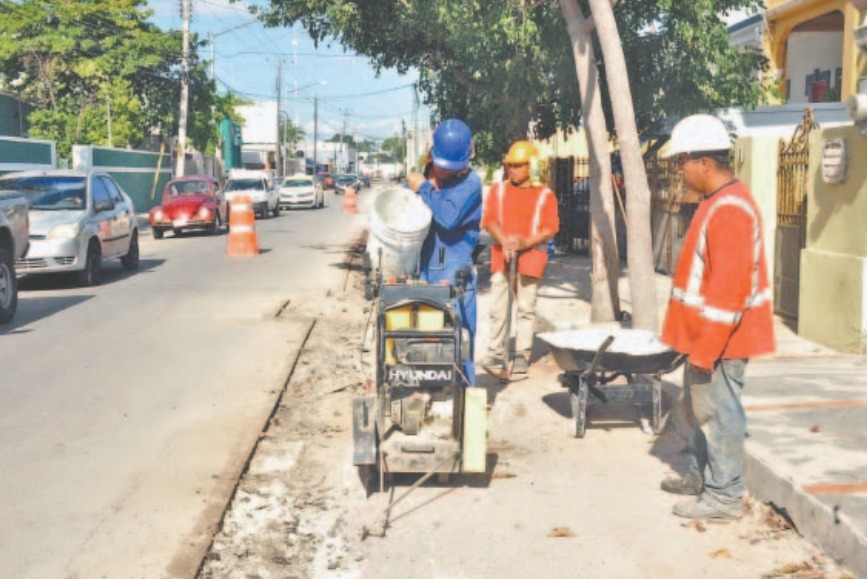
(300, 191)
(77, 220)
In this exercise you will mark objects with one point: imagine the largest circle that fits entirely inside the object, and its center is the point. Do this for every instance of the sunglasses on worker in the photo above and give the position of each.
(515, 165)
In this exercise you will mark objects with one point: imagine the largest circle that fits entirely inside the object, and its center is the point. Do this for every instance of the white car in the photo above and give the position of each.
(301, 191)
(257, 185)
(77, 220)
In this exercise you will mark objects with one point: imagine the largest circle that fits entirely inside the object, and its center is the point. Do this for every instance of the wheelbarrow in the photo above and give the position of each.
(594, 358)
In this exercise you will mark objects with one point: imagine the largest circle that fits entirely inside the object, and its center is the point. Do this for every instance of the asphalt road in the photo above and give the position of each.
(128, 410)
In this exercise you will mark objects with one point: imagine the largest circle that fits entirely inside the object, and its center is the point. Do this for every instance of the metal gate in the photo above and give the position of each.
(791, 235)
(572, 186)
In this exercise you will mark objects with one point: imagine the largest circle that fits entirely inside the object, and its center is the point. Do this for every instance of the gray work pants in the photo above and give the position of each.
(717, 431)
(526, 301)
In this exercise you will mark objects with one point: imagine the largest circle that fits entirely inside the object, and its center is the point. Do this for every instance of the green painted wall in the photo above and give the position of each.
(135, 171)
(833, 304)
(836, 214)
(756, 161)
(18, 154)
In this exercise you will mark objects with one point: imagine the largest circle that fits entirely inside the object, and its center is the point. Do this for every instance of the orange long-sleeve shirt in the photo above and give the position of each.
(721, 303)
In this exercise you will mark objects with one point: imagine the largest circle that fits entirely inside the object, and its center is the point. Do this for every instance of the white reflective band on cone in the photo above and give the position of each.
(240, 228)
(236, 207)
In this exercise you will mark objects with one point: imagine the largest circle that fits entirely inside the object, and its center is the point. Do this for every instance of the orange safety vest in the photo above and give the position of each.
(720, 304)
(533, 261)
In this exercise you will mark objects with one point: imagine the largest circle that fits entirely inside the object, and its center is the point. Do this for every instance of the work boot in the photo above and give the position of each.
(520, 365)
(689, 484)
(700, 509)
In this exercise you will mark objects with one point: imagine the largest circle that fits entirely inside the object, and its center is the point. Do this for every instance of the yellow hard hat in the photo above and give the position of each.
(521, 152)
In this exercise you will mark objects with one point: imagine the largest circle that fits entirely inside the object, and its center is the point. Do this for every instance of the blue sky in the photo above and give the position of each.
(247, 56)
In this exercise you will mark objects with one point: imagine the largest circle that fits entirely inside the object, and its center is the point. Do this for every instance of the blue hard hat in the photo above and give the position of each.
(452, 145)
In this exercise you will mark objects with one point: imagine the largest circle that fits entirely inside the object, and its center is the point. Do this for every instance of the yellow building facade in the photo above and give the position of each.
(800, 31)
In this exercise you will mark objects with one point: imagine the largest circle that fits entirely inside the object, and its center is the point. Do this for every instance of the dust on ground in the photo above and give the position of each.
(300, 509)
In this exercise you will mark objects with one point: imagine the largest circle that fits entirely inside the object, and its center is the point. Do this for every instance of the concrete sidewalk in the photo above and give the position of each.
(806, 408)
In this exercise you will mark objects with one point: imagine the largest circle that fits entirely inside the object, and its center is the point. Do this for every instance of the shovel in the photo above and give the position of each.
(505, 373)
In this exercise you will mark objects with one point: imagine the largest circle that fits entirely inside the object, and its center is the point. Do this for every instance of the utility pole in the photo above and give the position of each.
(343, 136)
(185, 89)
(315, 135)
(281, 162)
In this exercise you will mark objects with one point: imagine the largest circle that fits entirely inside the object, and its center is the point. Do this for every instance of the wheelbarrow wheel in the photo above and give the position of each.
(578, 400)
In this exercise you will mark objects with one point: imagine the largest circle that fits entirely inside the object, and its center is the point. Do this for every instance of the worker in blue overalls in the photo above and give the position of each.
(453, 192)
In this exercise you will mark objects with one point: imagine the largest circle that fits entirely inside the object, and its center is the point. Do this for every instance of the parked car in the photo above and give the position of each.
(258, 186)
(343, 181)
(325, 179)
(190, 203)
(78, 219)
(364, 180)
(301, 191)
(14, 228)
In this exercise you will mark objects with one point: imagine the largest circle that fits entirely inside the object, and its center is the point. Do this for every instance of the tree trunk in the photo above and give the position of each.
(640, 254)
(605, 301)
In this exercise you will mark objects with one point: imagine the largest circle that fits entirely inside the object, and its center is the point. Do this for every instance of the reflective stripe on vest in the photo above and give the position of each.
(537, 214)
(691, 296)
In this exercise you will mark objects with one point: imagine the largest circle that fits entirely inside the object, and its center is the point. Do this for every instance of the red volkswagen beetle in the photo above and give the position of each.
(193, 202)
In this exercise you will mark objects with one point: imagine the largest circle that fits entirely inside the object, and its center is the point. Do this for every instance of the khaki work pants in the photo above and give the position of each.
(526, 301)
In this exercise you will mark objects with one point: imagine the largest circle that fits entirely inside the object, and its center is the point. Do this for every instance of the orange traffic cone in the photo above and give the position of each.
(242, 228)
(349, 200)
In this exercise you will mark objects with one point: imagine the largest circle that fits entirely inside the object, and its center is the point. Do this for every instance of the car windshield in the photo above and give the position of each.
(50, 193)
(345, 179)
(244, 184)
(189, 188)
(298, 183)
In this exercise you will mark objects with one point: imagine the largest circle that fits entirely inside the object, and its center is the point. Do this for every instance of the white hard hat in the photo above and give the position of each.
(699, 133)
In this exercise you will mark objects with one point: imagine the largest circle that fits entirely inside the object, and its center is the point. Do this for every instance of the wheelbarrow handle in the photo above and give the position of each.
(598, 357)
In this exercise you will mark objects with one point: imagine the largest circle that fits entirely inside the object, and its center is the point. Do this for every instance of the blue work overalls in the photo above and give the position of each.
(450, 243)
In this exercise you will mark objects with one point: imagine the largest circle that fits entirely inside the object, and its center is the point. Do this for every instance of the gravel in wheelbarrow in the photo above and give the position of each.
(632, 351)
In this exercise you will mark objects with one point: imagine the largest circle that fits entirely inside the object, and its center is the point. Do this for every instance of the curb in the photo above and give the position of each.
(833, 531)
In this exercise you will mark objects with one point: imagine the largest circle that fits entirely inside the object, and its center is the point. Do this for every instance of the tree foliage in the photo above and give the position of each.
(395, 146)
(501, 64)
(81, 62)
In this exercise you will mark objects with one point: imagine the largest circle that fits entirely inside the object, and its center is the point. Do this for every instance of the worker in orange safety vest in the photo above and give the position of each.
(719, 315)
(522, 218)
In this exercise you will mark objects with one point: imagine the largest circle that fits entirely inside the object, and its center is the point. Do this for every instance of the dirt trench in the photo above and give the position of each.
(293, 512)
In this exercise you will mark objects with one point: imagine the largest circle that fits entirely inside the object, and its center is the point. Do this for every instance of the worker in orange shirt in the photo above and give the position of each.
(719, 315)
(522, 219)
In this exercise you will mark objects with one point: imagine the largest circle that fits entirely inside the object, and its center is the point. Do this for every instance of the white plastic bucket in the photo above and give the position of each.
(399, 223)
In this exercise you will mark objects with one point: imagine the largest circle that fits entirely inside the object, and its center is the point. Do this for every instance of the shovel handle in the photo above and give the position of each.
(513, 272)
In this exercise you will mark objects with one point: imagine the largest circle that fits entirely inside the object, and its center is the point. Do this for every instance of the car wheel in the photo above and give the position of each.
(158, 233)
(92, 271)
(8, 286)
(130, 260)
(215, 226)
(176, 232)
